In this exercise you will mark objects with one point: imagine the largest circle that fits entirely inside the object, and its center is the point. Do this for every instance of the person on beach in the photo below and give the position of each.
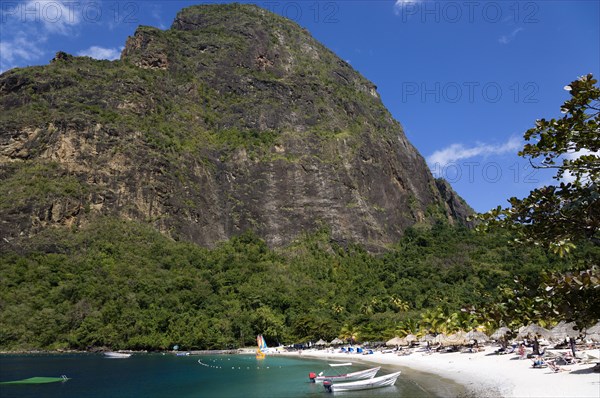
(572, 346)
(521, 351)
(554, 366)
(539, 362)
(536, 346)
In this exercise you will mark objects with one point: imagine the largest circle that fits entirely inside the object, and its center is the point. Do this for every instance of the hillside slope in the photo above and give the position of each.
(233, 119)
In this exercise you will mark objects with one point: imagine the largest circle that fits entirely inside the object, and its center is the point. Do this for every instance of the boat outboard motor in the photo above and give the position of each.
(327, 384)
(312, 376)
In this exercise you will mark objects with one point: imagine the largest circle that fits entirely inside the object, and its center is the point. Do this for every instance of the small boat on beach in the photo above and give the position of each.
(120, 355)
(368, 384)
(359, 375)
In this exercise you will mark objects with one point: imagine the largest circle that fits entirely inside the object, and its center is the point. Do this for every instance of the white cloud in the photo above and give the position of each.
(505, 39)
(400, 4)
(456, 152)
(101, 53)
(57, 16)
(158, 14)
(20, 49)
(567, 176)
(27, 26)
(17, 48)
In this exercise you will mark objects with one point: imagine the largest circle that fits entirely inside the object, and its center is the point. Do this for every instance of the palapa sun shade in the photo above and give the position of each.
(534, 330)
(440, 338)
(477, 335)
(594, 329)
(337, 341)
(595, 337)
(395, 341)
(500, 332)
(428, 337)
(564, 330)
(458, 338)
(410, 338)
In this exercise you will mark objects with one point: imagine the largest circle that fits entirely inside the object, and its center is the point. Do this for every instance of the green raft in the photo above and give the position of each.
(38, 380)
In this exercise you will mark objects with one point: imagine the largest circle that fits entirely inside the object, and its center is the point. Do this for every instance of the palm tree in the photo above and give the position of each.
(349, 332)
(398, 304)
(406, 327)
(434, 319)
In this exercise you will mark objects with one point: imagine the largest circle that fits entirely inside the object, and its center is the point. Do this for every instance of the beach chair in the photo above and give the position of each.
(566, 359)
(554, 367)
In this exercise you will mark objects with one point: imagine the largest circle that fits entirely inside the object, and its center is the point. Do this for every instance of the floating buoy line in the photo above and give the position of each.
(233, 367)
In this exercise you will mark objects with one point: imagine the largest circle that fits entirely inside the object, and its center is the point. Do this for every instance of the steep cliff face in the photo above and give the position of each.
(232, 119)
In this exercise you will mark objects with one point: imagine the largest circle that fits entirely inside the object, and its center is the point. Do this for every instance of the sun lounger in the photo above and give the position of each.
(566, 360)
(555, 368)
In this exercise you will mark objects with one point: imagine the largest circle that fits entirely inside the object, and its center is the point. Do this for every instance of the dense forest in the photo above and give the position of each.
(123, 285)
(235, 120)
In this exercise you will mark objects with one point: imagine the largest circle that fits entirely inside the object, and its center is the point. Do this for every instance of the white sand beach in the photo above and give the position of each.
(486, 374)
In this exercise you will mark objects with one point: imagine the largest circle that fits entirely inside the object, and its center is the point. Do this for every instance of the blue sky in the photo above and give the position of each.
(466, 79)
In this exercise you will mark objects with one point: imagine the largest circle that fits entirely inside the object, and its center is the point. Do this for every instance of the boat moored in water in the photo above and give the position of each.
(114, 354)
(368, 384)
(359, 375)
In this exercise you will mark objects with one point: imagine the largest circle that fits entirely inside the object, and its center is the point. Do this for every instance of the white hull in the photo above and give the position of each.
(116, 355)
(360, 375)
(377, 382)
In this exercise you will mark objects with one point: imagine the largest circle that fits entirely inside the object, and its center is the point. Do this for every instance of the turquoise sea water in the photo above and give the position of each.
(156, 375)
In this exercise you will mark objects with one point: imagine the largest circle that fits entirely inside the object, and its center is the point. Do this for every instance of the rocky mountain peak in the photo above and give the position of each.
(233, 119)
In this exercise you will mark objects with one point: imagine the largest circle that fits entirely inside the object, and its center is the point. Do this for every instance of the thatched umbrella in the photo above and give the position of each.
(594, 329)
(564, 331)
(440, 338)
(395, 341)
(336, 341)
(478, 336)
(458, 338)
(533, 330)
(410, 338)
(321, 342)
(427, 337)
(500, 333)
(595, 337)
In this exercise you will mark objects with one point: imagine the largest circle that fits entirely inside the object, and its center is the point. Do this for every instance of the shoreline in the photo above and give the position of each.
(484, 374)
(456, 374)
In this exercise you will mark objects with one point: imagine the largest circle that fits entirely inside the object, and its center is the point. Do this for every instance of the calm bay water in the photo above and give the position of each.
(156, 375)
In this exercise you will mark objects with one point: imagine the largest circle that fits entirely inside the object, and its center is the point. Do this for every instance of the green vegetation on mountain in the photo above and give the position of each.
(127, 189)
(123, 285)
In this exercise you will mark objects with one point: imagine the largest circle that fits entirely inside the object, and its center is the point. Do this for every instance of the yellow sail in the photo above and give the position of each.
(260, 341)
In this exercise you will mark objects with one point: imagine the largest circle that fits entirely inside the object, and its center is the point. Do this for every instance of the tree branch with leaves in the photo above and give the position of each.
(559, 216)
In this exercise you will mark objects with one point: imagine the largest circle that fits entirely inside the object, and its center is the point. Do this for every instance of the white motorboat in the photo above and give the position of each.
(376, 382)
(359, 375)
(113, 354)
